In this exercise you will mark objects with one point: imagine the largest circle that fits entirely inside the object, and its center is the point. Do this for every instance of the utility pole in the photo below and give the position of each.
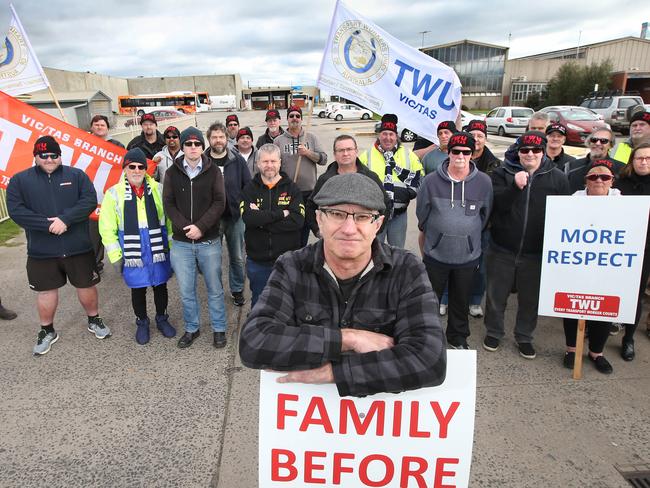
(423, 33)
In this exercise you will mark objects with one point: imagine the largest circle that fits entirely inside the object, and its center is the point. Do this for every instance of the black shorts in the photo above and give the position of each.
(51, 273)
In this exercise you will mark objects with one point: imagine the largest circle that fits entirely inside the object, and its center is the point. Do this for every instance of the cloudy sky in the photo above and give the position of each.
(281, 42)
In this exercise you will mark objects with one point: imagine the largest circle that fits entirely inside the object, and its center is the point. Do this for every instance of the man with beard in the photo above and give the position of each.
(347, 161)
(232, 127)
(599, 144)
(435, 157)
(274, 215)
(297, 146)
(273, 128)
(401, 172)
(235, 176)
(150, 140)
(639, 132)
(169, 153)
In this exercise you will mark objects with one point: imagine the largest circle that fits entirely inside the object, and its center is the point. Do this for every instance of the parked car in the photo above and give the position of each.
(508, 120)
(166, 114)
(466, 117)
(613, 108)
(579, 121)
(330, 107)
(350, 112)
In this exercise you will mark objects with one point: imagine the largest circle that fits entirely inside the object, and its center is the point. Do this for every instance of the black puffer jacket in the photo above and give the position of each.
(517, 221)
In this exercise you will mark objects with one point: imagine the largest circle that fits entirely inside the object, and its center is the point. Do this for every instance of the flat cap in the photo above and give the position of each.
(351, 188)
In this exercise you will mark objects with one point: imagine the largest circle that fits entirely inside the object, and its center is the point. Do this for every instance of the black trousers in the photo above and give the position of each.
(139, 300)
(459, 281)
(598, 334)
(645, 273)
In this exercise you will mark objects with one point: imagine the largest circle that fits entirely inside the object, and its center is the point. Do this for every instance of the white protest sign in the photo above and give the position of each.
(310, 436)
(364, 63)
(593, 254)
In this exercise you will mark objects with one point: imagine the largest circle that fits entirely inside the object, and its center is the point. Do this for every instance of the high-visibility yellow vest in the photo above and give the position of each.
(622, 152)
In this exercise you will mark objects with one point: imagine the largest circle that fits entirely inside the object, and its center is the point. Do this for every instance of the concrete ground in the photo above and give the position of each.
(112, 413)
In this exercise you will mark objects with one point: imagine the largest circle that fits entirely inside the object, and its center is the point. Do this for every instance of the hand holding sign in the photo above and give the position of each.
(57, 226)
(521, 179)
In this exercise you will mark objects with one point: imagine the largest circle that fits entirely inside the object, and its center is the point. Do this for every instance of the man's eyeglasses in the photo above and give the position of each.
(52, 156)
(346, 149)
(340, 216)
(464, 152)
(233, 124)
(139, 167)
(601, 177)
(171, 136)
(602, 140)
(534, 150)
(295, 116)
(193, 143)
(640, 159)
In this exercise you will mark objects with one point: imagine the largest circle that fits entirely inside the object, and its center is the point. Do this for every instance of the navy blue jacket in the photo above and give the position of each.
(33, 196)
(235, 177)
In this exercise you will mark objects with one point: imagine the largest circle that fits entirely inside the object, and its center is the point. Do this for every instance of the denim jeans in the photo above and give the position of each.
(234, 232)
(187, 258)
(258, 274)
(395, 231)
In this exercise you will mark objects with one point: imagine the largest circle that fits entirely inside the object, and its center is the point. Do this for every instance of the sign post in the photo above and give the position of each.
(310, 436)
(592, 259)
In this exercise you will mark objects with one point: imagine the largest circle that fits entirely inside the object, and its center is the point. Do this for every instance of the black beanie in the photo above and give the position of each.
(135, 155)
(46, 144)
(388, 122)
(192, 134)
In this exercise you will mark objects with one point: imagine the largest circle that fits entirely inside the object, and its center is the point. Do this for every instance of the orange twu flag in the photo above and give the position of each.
(21, 125)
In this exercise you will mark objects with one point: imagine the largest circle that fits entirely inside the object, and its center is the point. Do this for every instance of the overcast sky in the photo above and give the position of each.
(281, 42)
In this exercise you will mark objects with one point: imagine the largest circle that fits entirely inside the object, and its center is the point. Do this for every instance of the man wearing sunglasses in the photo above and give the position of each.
(453, 206)
(150, 140)
(348, 309)
(169, 153)
(514, 258)
(52, 203)
(194, 199)
(296, 145)
(232, 128)
(599, 143)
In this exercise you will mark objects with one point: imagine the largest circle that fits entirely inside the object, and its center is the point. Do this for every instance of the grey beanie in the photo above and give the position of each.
(352, 188)
(192, 134)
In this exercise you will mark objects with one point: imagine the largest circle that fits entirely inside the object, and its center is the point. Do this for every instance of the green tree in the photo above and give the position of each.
(536, 101)
(573, 82)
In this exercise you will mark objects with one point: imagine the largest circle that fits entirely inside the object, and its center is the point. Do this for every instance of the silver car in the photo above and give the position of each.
(508, 120)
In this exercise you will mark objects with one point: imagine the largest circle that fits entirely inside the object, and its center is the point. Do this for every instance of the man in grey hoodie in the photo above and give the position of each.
(453, 207)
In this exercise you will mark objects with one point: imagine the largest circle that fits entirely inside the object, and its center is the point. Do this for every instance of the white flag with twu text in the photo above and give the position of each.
(20, 71)
(364, 63)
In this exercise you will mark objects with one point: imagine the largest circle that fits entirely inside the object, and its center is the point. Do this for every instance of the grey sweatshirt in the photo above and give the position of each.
(452, 214)
(289, 149)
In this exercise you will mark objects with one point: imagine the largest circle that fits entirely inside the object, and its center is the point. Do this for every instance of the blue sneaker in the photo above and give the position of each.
(142, 330)
(44, 342)
(96, 326)
(163, 325)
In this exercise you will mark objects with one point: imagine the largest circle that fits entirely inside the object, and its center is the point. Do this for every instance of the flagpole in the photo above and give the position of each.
(295, 176)
(38, 64)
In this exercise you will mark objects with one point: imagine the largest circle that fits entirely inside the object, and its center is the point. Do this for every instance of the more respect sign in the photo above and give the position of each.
(593, 254)
(310, 436)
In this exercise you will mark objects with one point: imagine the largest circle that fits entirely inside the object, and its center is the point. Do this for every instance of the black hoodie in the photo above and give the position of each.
(517, 221)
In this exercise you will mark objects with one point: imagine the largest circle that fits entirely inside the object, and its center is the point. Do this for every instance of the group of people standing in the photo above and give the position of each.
(480, 220)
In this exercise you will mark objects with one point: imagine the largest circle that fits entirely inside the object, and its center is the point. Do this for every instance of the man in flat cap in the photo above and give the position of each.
(348, 309)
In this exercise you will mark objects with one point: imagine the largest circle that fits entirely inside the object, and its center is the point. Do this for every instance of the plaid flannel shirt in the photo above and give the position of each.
(296, 323)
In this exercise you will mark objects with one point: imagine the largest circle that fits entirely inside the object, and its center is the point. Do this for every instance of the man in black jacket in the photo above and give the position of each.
(483, 158)
(150, 140)
(556, 137)
(52, 203)
(194, 199)
(347, 161)
(235, 177)
(273, 212)
(514, 258)
(273, 128)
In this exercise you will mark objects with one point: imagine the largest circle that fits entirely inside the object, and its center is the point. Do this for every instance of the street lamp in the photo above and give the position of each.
(423, 33)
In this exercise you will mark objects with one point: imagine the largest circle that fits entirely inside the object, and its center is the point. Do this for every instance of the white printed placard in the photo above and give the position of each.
(310, 436)
(593, 255)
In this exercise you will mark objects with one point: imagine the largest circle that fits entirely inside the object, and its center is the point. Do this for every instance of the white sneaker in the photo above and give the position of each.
(443, 309)
(476, 311)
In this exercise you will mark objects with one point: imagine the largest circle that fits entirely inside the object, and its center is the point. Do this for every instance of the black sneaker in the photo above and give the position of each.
(602, 364)
(462, 345)
(219, 340)
(188, 338)
(569, 359)
(491, 343)
(526, 350)
(238, 298)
